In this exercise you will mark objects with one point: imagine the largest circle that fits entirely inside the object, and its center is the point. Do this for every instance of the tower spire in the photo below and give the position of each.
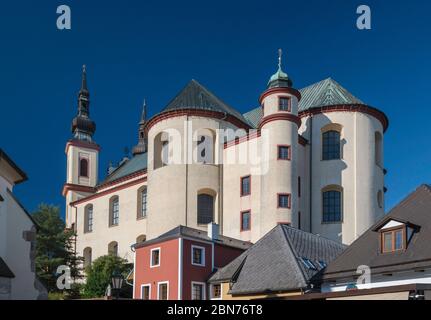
(144, 111)
(280, 53)
(141, 147)
(280, 78)
(84, 79)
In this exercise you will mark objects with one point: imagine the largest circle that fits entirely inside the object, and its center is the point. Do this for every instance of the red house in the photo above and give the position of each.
(176, 265)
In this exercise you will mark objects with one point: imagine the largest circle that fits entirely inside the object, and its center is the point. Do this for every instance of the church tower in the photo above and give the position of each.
(82, 154)
(141, 147)
(279, 126)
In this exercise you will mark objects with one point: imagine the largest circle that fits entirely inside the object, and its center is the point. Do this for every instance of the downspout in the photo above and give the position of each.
(310, 142)
(187, 167)
(220, 165)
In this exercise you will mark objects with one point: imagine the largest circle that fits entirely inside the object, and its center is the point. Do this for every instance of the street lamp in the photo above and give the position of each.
(117, 282)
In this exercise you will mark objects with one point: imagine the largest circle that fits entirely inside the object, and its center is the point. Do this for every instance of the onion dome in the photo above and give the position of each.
(280, 78)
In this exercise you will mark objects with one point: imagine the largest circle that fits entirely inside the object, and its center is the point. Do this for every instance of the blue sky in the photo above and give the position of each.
(135, 50)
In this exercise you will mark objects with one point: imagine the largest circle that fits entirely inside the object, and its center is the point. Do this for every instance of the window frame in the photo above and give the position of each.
(289, 104)
(112, 200)
(289, 152)
(333, 188)
(289, 200)
(393, 232)
(152, 265)
(87, 160)
(325, 132)
(88, 228)
(213, 208)
(167, 289)
(202, 264)
(212, 291)
(204, 294)
(242, 220)
(242, 194)
(147, 285)
(140, 213)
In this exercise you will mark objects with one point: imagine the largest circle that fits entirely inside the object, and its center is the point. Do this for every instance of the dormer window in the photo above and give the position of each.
(393, 240)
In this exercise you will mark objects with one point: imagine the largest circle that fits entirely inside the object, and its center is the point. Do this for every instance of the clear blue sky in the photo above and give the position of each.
(151, 49)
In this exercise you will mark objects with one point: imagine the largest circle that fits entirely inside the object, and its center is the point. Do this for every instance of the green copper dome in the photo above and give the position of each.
(280, 78)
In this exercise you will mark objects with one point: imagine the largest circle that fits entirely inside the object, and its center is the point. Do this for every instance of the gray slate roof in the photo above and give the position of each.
(5, 271)
(323, 93)
(275, 264)
(196, 96)
(183, 231)
(415, 210)
(137, 163)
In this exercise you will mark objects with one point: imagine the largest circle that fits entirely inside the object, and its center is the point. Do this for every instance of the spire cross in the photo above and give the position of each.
(280, 53)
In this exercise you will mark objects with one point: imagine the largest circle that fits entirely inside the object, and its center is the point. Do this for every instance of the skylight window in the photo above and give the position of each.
(322, 264)
(308, 264)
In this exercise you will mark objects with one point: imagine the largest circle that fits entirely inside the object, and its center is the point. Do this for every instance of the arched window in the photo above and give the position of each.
(83, 167)
(141, 238)
(88, 218)
(205, 147)
(332, 204)
(205, 208)
(378, 139)
(113, 248)
(331, 145)
(142, 202)
(114, 211)
(87, 257)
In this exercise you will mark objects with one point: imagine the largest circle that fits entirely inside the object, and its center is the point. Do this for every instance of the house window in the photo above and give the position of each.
(87, 257)
(198, 256)
(163, 291)
(198, 291)
(205, 208)
(284, 104)
(114, 211)
(83, 167)
(142, 208)
(245, 220)
(245, 186)
(331, 145)
(205, 149)
(216, 291)
(284, 153)
(113, 248)
(88, 222)
(155, 258)
(146, 292)
(332, 205)
(378, 148)
(393, 240)
(284, 200)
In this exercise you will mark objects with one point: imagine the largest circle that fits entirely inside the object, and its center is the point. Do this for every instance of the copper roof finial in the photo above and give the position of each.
(280, 53)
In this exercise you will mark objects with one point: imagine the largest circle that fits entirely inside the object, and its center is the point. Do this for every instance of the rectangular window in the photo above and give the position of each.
(332, 206)
(245, 186)
(144, 203)
(216, 291)
(198, 256)
(162, 291)
(146, 292)
(115, 212)
(90, 219)
(284, 153)
(245, 220)
(284, 104)
(284, 200)
(399, 240)
(198, 291)
(155, 257)
(392, 240)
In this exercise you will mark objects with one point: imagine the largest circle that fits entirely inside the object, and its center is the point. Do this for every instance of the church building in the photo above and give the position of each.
(311, 158)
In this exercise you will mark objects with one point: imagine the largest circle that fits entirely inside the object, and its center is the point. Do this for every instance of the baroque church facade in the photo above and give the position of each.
(310, 158)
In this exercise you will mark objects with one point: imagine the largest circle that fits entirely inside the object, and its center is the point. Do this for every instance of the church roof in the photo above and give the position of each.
(276, 262)
(196, 96)
(137, 163)
(323, 93)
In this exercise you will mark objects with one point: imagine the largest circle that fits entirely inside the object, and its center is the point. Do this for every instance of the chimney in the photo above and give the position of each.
(213, 231)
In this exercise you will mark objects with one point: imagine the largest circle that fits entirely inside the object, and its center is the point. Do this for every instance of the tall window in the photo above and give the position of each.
(83, 167)
(146, 292)
(332, 205)
(198, 256)
(87, 257)
(216, 291)
(155, 257)
(283, 200)
(204, 149)
(88, 219)
(205, 208)
(284, 153)
(378, 148)
(245, 186)
(393, 240)
(198, 291)
(162, 291)
(114, 211)
(331, 145)
(245, 220)
(284, 104)
(113, 248)
(142, 203)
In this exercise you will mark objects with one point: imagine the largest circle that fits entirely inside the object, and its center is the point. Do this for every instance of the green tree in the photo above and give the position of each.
(54, 246)
(99, 274)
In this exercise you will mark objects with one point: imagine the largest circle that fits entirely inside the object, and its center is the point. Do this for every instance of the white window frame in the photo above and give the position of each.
(211, 291)
(204, 293)
(158, 289)
(142, 291)
(151, 257)
(203, 256)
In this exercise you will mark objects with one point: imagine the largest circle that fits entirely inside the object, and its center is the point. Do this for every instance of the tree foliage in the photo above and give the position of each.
(99, 274)
(54, 246)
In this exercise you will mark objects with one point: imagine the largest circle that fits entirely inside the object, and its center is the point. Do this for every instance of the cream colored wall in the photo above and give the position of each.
(227, 296)
(124, 234)
(356, 172)
(73, 156)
